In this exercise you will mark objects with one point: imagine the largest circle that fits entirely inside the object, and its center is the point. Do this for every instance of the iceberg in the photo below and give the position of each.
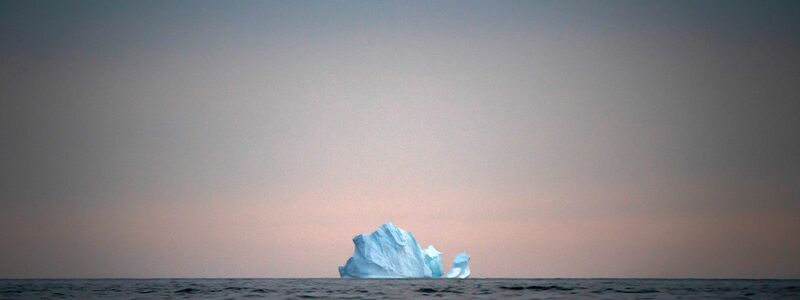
(460, 266)
(387, 252)
(391, 252)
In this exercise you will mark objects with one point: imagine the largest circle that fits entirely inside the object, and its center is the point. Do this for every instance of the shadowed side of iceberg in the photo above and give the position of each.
(433, 258)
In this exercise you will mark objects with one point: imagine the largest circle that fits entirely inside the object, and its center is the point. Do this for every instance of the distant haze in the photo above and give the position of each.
(256, 138)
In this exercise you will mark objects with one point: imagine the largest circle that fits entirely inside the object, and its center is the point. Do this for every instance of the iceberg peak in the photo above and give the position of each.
(391, 252)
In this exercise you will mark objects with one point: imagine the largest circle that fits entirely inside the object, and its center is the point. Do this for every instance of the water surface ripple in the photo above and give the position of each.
(397, 288)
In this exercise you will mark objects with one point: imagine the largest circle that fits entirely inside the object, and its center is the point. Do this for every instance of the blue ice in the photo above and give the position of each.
(391, 252)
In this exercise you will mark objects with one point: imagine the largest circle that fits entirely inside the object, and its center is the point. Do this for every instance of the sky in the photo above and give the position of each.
(256, 138)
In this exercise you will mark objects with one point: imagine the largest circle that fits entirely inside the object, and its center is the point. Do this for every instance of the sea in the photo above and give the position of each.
(473, 288)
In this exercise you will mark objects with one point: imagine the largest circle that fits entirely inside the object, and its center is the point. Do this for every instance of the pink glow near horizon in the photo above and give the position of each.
(310, 236)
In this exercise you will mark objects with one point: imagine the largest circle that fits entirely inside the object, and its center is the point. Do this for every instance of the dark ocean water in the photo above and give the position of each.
(398, 288)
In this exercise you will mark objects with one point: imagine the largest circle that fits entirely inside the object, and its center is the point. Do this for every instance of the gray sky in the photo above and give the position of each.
(547, 138)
